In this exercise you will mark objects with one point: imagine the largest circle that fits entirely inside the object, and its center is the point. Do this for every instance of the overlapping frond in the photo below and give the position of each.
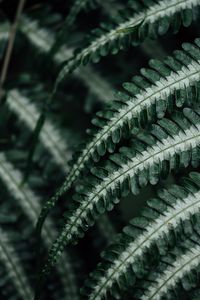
(148, 139)
(159, 227)
(84, 5)
(147, 19)
(175, 273)
(168, 147)
(172, 83)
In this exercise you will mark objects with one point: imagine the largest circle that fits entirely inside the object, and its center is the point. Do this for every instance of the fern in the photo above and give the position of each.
(30, 205)
(147, 19)
(44, 41)
(14, 268)
(50, 137)
(141, 156)
(129, 171)
(160, 224)
(183, 270)
(80, 5)
(173, 81)
(76, 8)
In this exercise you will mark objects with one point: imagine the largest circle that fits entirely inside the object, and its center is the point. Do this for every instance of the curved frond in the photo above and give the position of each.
(160, 225)
(145, 20)
(76, 8)
(49, 136)
(183, 270)
(173, 146)
(141, 151)
(173, 81)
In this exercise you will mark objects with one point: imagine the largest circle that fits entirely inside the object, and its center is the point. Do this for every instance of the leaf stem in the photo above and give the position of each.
(9, 49)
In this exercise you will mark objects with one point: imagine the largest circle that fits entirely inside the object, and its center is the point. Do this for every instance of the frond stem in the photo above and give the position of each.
(9, 49)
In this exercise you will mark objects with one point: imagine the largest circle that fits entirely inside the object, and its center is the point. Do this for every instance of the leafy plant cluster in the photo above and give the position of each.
(112, 211)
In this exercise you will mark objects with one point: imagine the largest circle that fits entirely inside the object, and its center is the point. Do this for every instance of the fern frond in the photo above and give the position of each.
(31, 205)
(183, 270)
(147, 20)
(14, 268)
(49, 137)
(111, 9)
(160, 224)
(173, 81)
(131, 169)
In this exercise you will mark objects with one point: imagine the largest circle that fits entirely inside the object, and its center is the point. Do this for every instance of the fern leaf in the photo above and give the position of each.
(128, 171)
(43, 40)
(183, 270)
(76, 8)
(15, 271)
(161, 222)
(79, 5)
(147, 20)
(173, 80)
(50, 137)
(30, 205)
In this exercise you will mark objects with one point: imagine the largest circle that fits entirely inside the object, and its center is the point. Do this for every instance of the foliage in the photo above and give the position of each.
(129, 186)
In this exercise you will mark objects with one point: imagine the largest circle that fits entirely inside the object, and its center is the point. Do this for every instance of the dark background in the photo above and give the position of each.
(75, 104)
